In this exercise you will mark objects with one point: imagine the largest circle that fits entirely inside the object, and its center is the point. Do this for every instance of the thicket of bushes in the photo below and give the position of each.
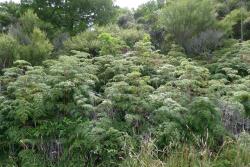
(117, 95)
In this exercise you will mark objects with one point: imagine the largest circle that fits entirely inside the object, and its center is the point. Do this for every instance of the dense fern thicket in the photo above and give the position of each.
(150, 87)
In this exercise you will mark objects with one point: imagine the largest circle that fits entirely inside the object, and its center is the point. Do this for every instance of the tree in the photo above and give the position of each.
(8, 50)
(125, 19)
(186, 19)
(33, 45)
(72, 15)
(29, 20)
(38, 50)
(147, 15)
(9, 13)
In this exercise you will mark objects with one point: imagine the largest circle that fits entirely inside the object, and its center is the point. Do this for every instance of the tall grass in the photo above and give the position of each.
(232, 153)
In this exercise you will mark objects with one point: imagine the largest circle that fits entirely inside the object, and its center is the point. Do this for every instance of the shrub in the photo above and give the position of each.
(86, 41)
(8, 51)
(111, 45)
(167, 134)
(204, 120)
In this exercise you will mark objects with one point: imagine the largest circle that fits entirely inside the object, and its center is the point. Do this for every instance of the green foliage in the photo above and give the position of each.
(8, 50)
(38, 50)
(31, 43)
(125, 18)
(204, 119)
(144, 47)
(147, 157)
(183, 27)
(168, 133)
(9, 12)
(86, 41)
(235, 154)
(72, 16)
(29, 159)
(171, 111)
(29, 20)
(233, 19)
(244, 98)
(107, 97)
(110, 39)
(232, 62)
(131, 36)
(111, 45)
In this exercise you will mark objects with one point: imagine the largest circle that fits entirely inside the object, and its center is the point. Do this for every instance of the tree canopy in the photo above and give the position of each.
(72, 15)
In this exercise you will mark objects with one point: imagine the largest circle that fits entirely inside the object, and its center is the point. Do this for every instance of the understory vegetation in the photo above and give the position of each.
(87, 83)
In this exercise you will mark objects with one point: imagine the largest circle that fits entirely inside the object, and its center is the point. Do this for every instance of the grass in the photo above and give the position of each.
(232, 153)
